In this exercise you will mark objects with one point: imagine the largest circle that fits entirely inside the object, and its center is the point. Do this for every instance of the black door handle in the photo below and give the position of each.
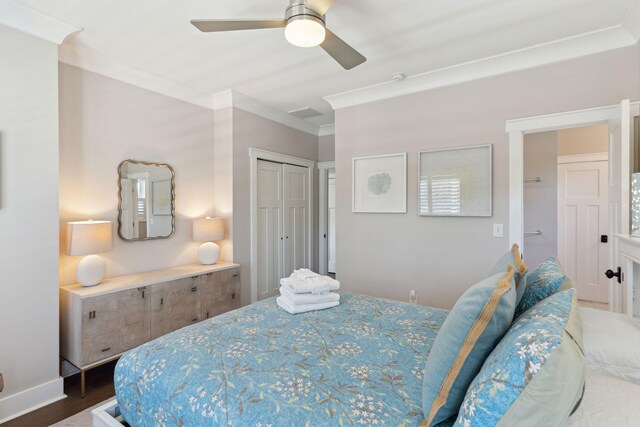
(610, 274)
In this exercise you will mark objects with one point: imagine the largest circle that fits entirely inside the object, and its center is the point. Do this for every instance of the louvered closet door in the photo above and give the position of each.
(296, 218)
(270, 233)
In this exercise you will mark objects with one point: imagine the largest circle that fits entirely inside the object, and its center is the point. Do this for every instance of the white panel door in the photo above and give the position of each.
(270, 217)
(331, 206)
(296, 204)
(583, 218)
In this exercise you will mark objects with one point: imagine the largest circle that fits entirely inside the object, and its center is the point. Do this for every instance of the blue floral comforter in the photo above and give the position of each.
(360, 363)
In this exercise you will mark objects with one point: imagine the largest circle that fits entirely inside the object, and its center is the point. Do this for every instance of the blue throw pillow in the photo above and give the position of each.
(535, 376)
(469, 333)
(512, 258)
(543, 281)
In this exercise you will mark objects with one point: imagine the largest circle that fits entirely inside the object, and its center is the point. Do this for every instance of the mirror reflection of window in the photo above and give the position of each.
(142, 201)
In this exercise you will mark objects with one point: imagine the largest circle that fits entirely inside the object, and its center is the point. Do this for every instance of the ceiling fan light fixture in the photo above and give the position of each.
(305, 31)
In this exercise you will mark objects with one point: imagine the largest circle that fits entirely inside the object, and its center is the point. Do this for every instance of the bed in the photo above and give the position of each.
(360, 363)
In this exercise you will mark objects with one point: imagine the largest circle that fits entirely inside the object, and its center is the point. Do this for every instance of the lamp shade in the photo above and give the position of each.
(208, 229)
(88, 237)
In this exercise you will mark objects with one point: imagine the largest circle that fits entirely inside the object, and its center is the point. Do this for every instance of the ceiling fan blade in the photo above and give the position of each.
(212, 25)
(339, 50)
(320, 6)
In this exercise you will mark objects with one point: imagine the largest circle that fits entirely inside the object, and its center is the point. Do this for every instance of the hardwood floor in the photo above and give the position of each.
(99, 387)
(594, 304)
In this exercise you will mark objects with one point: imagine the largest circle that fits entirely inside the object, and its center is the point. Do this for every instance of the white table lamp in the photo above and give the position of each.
(208, 230)
(89, 238)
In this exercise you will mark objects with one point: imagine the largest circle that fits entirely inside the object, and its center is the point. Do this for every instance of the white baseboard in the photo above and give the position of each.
(31, 399)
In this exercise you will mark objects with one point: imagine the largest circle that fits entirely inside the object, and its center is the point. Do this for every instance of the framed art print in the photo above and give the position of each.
(380, 184)
(455, 181)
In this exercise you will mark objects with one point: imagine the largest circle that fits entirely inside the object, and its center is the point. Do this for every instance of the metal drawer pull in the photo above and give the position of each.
(233, 295)
(106, 349)
(195, 288)
(195, 319)
(161, 301)
(92, 314)
(235, 275)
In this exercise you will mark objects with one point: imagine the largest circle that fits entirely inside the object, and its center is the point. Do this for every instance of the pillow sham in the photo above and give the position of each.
(542, 282)
(536, 375)
(473, 327)
(512, 258)
(611, 343)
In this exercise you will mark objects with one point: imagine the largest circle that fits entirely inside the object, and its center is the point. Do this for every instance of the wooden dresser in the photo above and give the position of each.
(99, 323)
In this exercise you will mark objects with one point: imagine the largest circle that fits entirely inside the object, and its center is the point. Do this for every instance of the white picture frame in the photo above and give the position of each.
(161, 197)
(456, 182)
(379, 184)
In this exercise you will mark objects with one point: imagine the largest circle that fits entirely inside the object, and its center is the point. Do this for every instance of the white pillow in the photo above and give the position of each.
(607, 401)
(611, 343)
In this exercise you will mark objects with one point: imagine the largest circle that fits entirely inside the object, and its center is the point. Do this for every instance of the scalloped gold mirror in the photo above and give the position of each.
(146, 200)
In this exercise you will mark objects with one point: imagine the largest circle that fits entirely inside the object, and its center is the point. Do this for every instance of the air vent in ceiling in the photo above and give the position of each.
(305, 113)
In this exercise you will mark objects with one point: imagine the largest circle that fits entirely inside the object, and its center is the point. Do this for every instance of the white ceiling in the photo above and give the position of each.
(409, 36)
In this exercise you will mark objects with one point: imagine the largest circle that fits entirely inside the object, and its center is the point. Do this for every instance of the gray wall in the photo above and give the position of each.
(28, 222)
(389, 254)
(104, 121)
(540, 198)
(326, 148)
(249, 131)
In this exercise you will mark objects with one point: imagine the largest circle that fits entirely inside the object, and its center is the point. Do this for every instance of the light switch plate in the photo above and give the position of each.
(498, 230)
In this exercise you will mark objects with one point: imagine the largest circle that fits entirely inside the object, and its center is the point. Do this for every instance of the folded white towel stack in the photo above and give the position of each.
(304, 274)
(305, 291)
(303, 308)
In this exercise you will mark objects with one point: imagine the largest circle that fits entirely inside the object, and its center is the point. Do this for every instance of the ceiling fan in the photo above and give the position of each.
(304, 23)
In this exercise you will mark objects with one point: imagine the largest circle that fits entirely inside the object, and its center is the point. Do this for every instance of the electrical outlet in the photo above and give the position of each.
(413, 297)
(498, 230)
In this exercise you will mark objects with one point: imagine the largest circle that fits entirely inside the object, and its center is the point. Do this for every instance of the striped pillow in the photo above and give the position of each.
(474, 326)
(514, 258)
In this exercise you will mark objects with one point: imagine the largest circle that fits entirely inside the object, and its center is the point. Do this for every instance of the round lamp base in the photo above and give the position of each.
(90, 270)
(208, 253)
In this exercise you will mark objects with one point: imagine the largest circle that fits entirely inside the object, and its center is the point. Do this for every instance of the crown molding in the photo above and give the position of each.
(92, 60)
(96, 62)
(232, 98)
(631, 22)
(31, 21)
(535, 56)
(327, 130)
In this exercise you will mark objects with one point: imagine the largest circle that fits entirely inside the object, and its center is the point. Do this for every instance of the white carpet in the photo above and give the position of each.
(81, 419)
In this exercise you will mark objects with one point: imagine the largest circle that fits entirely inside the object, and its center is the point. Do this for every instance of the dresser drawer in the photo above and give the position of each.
(114, 323)
(175, 304)
(220, 292)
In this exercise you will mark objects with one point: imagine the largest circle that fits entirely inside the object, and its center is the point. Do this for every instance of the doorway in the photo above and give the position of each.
(327, 218)
(565, 189)
(619, 119)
